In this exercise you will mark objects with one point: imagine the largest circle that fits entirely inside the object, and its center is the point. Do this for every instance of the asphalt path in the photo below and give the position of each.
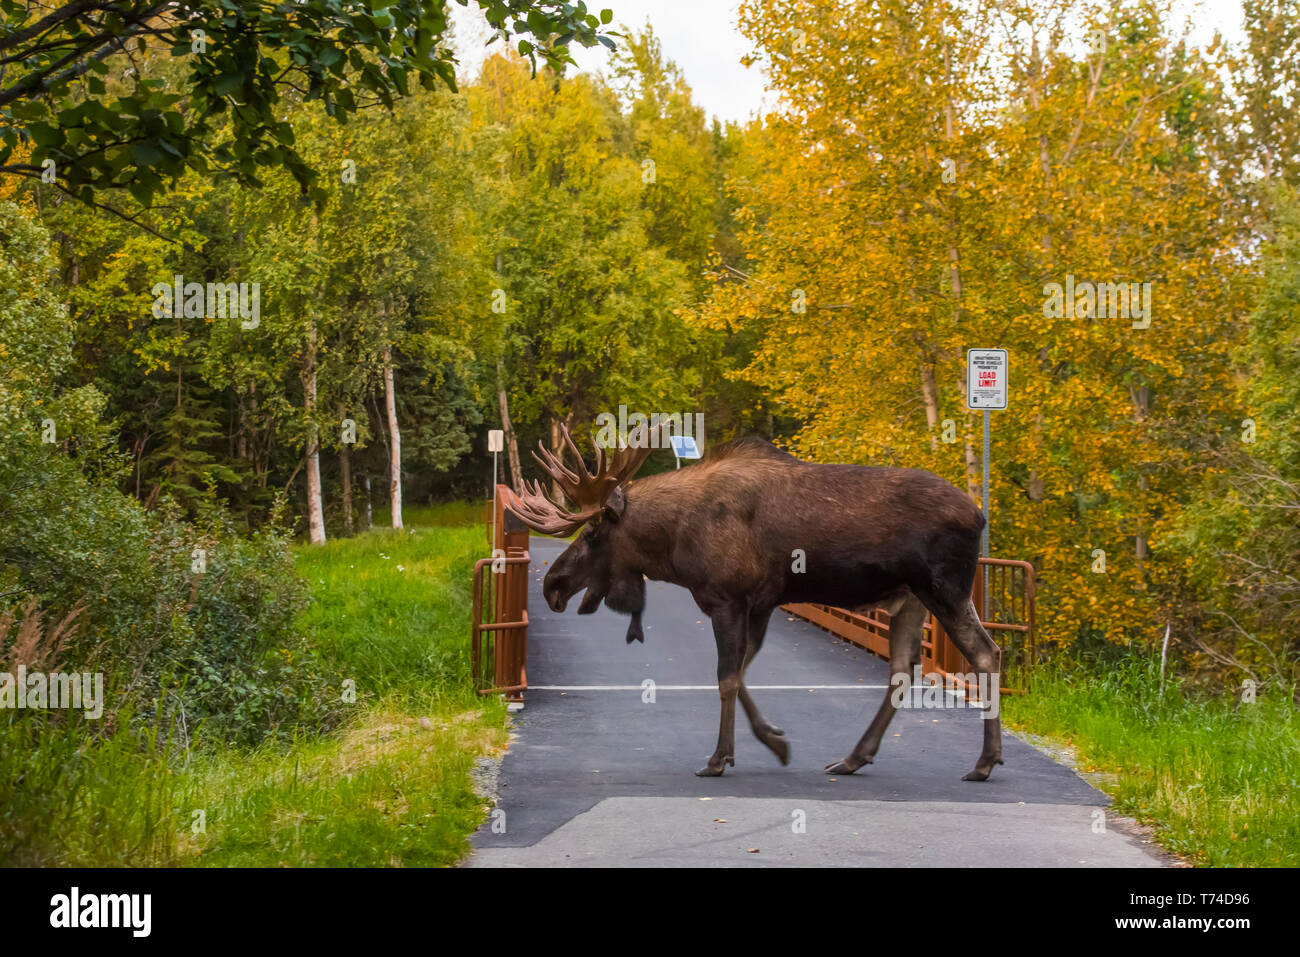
(598, 774)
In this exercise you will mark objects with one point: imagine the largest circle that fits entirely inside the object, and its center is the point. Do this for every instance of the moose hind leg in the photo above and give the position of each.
(983, 653)
(771, 736)
(729, 634)
(904, 656)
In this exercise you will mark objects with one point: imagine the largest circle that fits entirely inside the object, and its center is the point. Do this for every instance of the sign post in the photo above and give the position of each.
(986, 390)
(496, 441)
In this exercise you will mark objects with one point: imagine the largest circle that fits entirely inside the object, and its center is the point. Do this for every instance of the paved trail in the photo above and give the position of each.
(596, 777)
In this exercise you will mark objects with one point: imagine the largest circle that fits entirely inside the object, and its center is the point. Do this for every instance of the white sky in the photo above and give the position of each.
(700, 36)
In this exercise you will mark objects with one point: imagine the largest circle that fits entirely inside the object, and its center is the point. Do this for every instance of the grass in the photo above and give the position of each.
(390, 610)
(1217, 780)
(445, 515)
(390, 791)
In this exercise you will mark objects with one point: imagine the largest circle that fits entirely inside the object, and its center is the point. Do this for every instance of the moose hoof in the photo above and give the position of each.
(982, 770)
(712, 770)
(847, 766)
(778, 745)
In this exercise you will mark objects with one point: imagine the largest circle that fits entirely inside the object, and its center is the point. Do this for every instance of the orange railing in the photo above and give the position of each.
(499, 626)
(1008, 616)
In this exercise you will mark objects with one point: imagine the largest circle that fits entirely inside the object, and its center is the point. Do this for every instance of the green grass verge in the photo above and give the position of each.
(390, 611)
(390, 791)
(1217, 780)
(447, 514)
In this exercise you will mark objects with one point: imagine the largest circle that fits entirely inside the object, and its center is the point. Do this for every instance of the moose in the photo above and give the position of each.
(726, 528)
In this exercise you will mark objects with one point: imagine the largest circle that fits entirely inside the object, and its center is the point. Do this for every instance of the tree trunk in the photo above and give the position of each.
(345, 466)
(1034, 487)
(370, 515)
(394, 442)
(930, 394)
(1140, 546)
(512, 442)
(259, 453)
(315, 502)
(1141, 396)
(954, 256)
(556, 493)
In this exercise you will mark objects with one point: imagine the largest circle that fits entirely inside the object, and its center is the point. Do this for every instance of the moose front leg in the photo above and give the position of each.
(729, 627)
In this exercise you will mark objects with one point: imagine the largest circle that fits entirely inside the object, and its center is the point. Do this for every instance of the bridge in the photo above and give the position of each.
(599, 770)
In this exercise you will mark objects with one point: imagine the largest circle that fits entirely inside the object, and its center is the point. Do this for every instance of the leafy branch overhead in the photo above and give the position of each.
(127, 93)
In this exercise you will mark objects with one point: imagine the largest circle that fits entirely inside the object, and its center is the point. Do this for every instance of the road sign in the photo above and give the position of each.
(986, 390)
(496, 443)
(684, 446)
(986, 379)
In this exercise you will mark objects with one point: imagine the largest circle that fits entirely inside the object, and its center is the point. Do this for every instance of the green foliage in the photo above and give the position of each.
(205, 634)
(387, 789)
(590, 298)
(1239, 544)
(83, 87)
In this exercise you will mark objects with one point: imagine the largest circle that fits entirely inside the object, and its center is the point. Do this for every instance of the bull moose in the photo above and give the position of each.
(726, 528)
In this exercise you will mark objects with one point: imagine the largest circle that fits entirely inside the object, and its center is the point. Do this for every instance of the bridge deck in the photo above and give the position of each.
(596, 776)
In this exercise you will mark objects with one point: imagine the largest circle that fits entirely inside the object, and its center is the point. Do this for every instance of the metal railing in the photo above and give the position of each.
(499, 626)
(1008, 616)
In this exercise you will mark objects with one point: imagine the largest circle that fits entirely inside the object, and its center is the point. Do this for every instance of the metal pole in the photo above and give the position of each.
(984, 612)
(495, 546)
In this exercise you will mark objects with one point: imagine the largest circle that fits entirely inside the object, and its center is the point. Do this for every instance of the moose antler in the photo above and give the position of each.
(588, 490)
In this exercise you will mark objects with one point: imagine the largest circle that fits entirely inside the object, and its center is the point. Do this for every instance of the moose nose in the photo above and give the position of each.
(553, 592)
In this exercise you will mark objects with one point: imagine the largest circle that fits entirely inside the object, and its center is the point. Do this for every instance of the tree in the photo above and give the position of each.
(909, 201)
(61, 89)
(1239, 544)
(1268, 76)
(586, 300)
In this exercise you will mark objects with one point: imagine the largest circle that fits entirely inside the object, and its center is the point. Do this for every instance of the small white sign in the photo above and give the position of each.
(986, 378)
(496, 440)
(684, 446)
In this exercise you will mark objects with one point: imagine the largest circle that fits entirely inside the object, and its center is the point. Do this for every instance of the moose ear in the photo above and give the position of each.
(615, 506)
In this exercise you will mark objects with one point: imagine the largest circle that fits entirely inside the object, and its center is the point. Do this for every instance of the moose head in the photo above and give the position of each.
(596, 560)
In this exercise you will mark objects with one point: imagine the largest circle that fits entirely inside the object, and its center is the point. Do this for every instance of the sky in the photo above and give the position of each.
(700, 36)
